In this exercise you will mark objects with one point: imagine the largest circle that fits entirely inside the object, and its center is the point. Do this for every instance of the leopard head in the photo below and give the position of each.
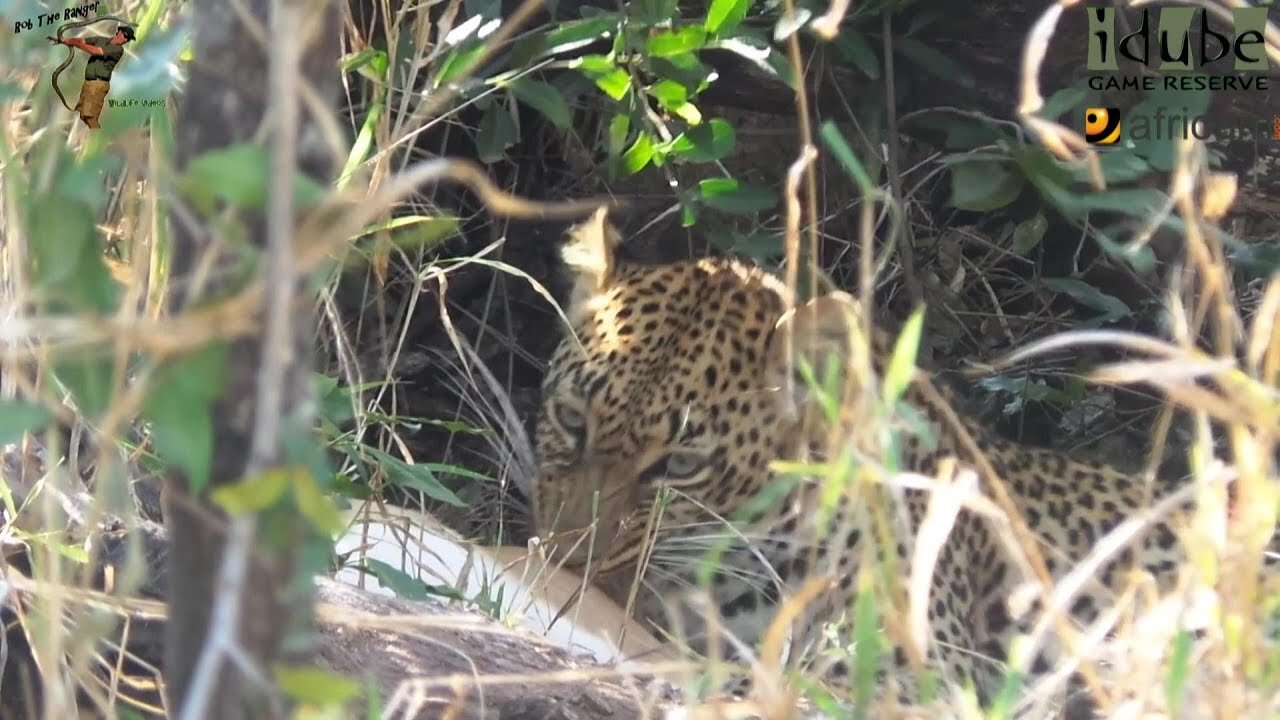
(664, 408)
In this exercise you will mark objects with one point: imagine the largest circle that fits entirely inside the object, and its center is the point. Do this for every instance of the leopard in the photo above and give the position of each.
(680, 388)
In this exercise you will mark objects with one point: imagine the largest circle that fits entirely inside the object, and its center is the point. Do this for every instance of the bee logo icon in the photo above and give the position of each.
(1101, 125)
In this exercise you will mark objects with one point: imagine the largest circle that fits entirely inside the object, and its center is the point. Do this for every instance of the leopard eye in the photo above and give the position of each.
(681, 464)
(570, 418)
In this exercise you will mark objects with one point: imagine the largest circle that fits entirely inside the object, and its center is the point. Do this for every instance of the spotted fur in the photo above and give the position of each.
(664, 410)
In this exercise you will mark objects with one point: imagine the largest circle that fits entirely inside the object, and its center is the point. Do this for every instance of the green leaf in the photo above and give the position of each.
(410, 233)
(923, 20)
(1140, 257)
(670, 94)
(1132, 202)
(653, 12)
(343, 487)
(902, 363)
(543, 97)
(239, 175)
(685, 69)
(577, 33)
(459, 471)
(53, 541)
(1028, 234)
(1175, 682)
(1256, 259)
(933, 61)
(397, 581)
(415, 477)
(836, 143)
(593, 65)
(1121, 165)
(61, 234)
(666, 43)
(866, 630)
(253, 494)
(1111, 307)
(313, 686)
(318, 508)
(67, 263)
(89, 380)
(619, 127)
(966, 133)
(457, 63)
(1044, 171)
(370, 62)
(495, 135)
(729, 195)
(1068, 98)
(711, 141)
(1158, 152)
(364, 141)
(199, 375)
(983, 185)
(302, 448)
(853, 47)
(1024, 390)
(707, 142)
(674, 97)
(182, 435)
(334, 399)
(760, 245)
(688, 214)
(610, 78)
(614, 83)
(177, 407)
(18, 417)
(689, 113)
(725, 15)
(638, 155)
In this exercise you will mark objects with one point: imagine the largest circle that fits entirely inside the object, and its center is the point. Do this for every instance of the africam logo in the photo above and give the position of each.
(1101, 125)
(105, 52)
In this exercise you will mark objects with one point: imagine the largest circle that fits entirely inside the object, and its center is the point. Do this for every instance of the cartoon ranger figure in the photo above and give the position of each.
(104, 53)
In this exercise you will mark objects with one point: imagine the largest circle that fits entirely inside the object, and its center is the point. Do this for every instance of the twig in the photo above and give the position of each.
(1058, 601)
(807, 155)
(804, 120)
(828, 26)
(906, 250)
(223, 618)
(325, 234)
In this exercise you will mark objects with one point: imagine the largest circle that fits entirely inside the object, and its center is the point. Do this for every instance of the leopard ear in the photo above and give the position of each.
(820, 331)
(589, 253)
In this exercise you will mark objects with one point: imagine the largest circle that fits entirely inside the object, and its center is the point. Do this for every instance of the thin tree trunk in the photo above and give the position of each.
(227, 100)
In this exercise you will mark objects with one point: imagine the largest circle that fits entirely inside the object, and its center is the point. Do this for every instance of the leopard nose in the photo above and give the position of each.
(576, 516)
